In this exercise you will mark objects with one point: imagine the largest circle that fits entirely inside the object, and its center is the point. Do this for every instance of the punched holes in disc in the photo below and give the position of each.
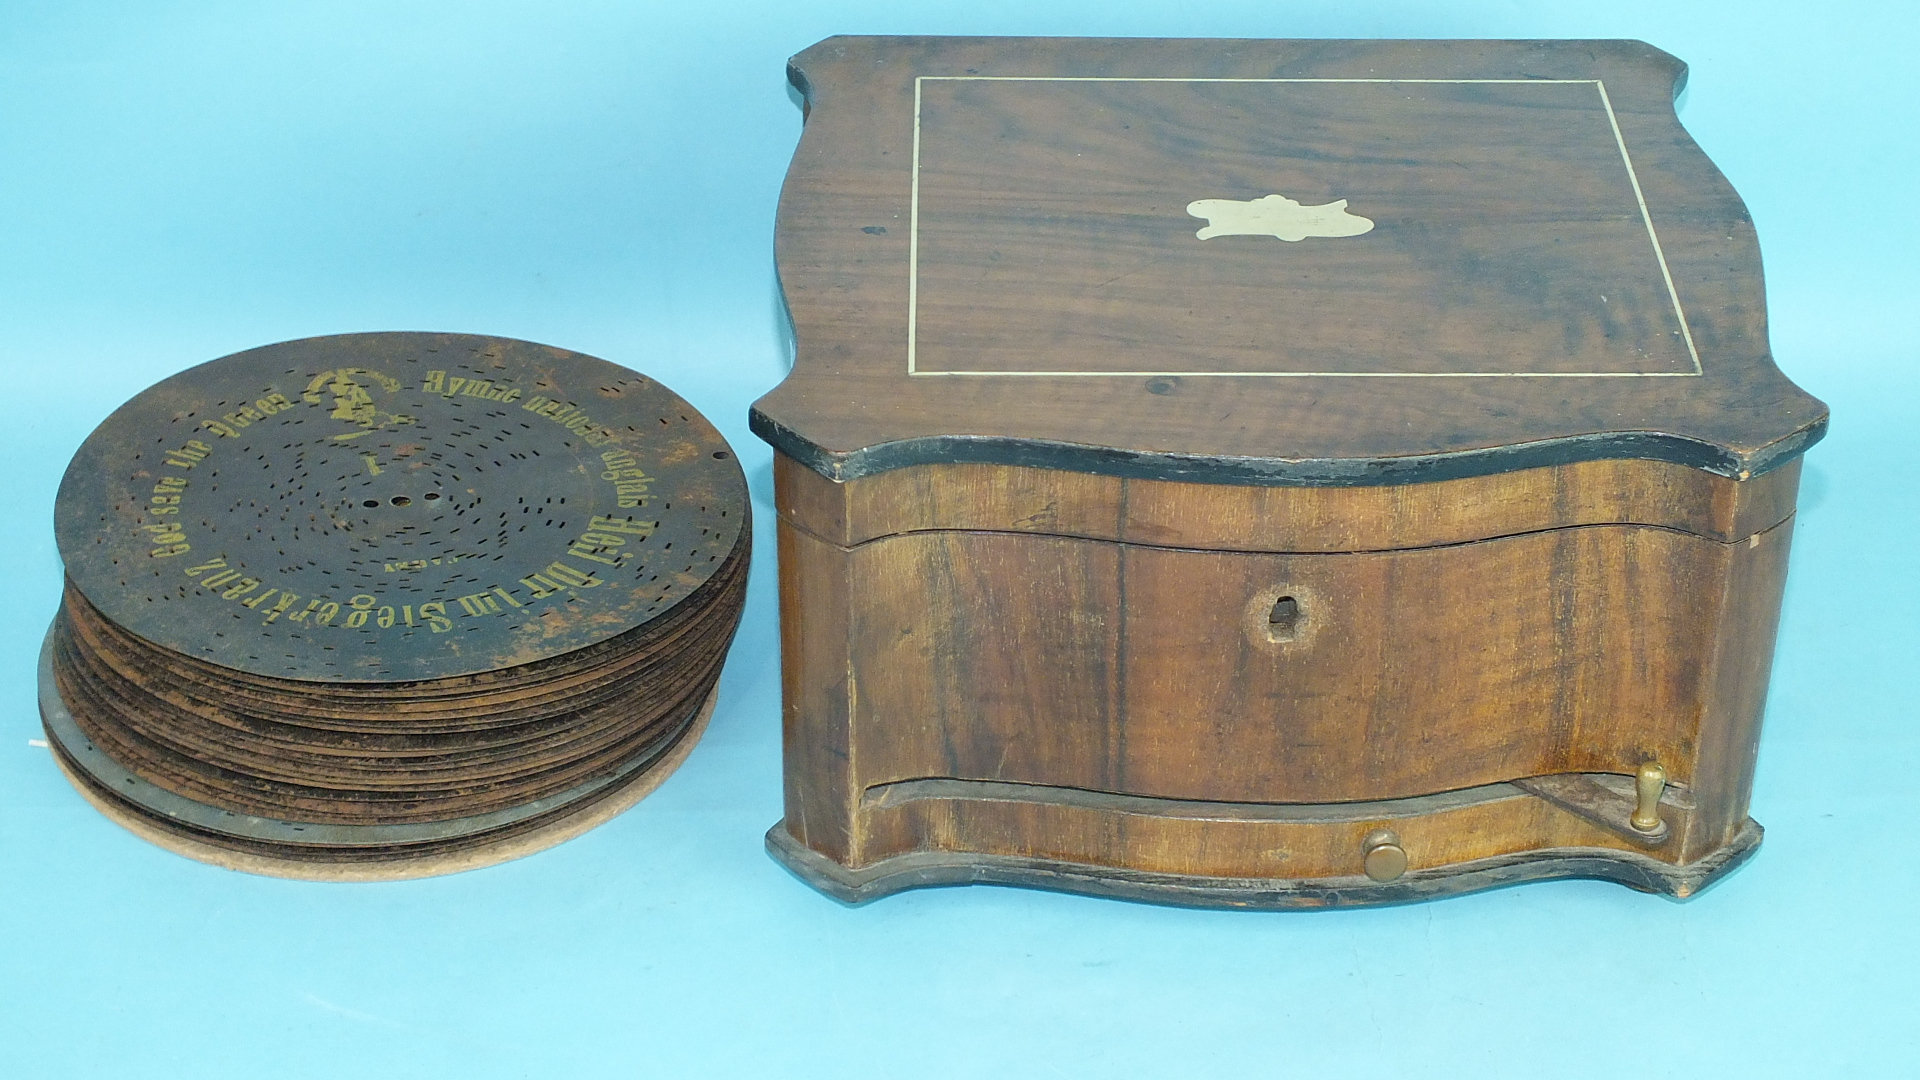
(373, 605)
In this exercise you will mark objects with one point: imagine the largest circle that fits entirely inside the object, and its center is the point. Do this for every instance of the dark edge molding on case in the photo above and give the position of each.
(948, 789)
(1275, 472)
(922, 869)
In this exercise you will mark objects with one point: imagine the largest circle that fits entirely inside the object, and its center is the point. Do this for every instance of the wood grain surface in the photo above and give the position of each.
(1027, 670)
(1017, 207)
(1205, 458)
(1252, 518)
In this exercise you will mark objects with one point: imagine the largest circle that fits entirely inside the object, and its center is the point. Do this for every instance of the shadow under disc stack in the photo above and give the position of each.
(390, 605)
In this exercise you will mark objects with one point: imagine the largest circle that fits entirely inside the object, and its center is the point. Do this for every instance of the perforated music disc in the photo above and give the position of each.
(386, 601)
(388, 507)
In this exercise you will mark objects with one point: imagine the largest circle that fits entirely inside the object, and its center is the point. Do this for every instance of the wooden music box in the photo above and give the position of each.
(1270, 473)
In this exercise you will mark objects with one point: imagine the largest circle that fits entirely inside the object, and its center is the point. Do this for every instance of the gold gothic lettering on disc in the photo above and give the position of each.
(383, 507)
(388, 605)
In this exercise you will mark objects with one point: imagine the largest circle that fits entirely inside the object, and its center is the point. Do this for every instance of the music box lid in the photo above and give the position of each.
(1268, 262)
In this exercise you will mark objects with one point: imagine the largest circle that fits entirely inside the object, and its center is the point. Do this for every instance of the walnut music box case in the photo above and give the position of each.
(1270, 473)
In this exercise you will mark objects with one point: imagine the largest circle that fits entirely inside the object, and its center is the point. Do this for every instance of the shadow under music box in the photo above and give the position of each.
(1270, 473)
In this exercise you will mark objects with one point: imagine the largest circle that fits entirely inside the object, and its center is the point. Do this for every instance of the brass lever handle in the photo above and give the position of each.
(1648, 786)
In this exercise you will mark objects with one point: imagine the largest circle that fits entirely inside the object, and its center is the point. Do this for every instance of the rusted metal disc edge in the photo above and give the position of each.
(166, 807)
(448, 858)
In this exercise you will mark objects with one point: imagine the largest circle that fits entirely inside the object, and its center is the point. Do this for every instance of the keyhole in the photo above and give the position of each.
(1284, 620)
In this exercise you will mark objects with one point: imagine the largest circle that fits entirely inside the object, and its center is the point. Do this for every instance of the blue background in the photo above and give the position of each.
(181, 181)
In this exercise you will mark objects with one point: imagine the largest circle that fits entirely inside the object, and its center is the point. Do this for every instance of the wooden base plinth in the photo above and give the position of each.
(927, 868)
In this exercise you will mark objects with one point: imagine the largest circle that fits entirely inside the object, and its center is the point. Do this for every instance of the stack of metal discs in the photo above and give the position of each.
(389, 605)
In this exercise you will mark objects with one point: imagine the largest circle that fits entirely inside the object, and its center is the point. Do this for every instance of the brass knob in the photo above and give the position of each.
(1385, 858)
(1647, 787)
